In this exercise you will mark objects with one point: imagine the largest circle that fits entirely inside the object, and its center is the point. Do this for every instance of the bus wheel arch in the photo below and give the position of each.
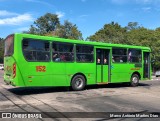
(78, 81)
(134, 81)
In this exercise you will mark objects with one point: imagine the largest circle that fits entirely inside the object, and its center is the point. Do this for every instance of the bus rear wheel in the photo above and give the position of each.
(78, 83)
(134, 80)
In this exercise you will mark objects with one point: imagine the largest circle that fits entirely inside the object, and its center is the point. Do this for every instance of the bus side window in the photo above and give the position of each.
(36, 50)
(63, 52)
(55, 57)
(69, 56)
(63, 57)
(129, 56)
(119, 55)
(134, 56)
(30, 56)
(98, 60)
(113, 59)
(84, 53)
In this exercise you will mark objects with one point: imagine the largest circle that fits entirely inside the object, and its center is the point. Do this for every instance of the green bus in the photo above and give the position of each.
(32, 60)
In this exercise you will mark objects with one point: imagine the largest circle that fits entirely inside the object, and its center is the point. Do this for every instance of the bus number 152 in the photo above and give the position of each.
(40, 68)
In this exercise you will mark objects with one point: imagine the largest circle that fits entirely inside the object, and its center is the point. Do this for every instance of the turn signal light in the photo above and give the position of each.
(14, 70)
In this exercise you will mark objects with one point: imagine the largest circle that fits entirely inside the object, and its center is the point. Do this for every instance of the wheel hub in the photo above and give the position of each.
(78, 82)
(135, 80)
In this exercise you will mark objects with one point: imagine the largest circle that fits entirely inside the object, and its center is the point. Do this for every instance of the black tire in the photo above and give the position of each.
(134, 80)
(78, 83)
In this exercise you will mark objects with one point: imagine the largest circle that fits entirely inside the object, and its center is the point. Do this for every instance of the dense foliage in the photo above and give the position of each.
(132, 34)
(49, 25)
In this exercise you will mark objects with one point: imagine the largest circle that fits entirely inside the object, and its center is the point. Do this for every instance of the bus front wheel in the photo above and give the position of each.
(78, 83)
(134, 80)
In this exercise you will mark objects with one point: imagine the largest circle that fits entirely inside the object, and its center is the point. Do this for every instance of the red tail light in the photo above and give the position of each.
(14, 70)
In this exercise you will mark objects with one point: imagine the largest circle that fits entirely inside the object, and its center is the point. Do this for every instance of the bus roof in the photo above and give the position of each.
(55, 38)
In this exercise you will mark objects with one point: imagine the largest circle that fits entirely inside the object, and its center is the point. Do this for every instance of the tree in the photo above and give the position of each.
(132, 34)
(132, 26)
(69, 31)
(112, 33)
(47, 23)
(1, 39)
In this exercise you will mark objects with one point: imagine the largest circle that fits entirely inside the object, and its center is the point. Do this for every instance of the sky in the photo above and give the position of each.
(88, 15)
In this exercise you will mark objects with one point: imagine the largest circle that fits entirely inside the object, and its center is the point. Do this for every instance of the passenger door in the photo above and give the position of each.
(146, 65)
(102, 65)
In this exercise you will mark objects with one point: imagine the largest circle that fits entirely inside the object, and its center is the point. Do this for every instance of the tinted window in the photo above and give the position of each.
(102, 56)
(36, 50)
(9, 45)
(84, 53)
(119, 55)
(134, 55)
(63, 52)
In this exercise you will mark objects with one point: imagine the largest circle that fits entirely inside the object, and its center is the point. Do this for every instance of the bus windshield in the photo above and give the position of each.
(9, 45)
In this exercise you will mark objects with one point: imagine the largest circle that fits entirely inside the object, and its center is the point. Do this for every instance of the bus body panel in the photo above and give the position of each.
(9, 63)
(87, 69)
(8, 73)
(33, 73)
(123, 72)
(61, 73)
(59, 77)
(120, 73)
(36, 74)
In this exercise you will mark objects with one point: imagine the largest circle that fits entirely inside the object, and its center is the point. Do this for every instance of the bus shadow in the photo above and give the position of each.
(40, 90)
(37, 90)
(117, 85)
(144, 85)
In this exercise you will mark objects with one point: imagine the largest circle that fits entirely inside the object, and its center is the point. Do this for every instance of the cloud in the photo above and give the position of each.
(146, 9)
(6, 13)
(22, 29)
(17, 20)
(60, 14)
(82, 18)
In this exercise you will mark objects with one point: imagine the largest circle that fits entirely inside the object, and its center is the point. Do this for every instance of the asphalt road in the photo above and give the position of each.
(107, 98)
